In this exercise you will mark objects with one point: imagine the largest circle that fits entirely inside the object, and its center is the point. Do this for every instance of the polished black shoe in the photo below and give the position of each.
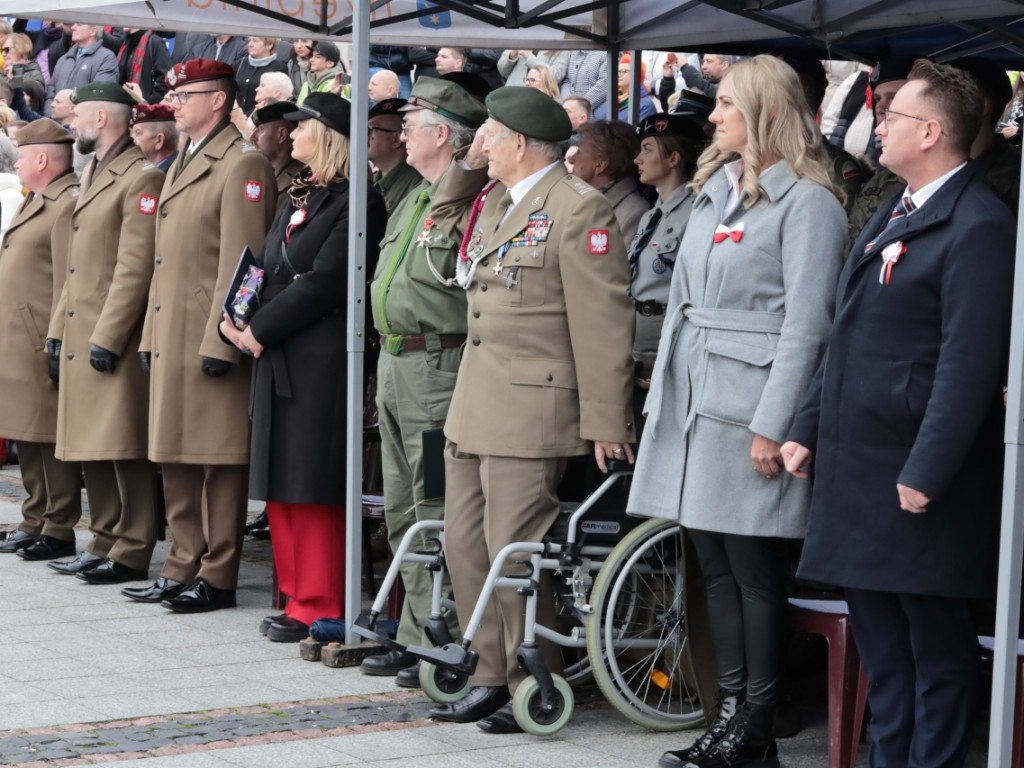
(480, 702)
(748, 742)
(409, 677)
(287, 630)
(268, 620)
(726, 708)
(161, 589)
(387, 664)
(260, 521)
(199, 597)
(47, 548)
(111, 572)
(502, 721)
(84, 562)
(16, 541)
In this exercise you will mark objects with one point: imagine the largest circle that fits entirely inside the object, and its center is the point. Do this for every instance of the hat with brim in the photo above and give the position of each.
(104, 91)
(683, 126)
(530, 112)
(386, 107)
(44, 131)
(448, 99)
(272, 112)
(333, 111)
(694, 103)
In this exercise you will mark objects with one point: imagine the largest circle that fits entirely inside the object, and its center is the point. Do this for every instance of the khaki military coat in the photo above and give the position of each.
(284, 172)
(221, 202)
(33, 263)
(102, 416)
(547, 366)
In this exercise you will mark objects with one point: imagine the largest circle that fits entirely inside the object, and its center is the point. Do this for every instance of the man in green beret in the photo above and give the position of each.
(103, 403)
(547, 372)
(420, 314)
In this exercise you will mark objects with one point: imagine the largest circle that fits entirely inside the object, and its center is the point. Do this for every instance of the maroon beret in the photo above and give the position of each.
(198, 70)
(151, 113)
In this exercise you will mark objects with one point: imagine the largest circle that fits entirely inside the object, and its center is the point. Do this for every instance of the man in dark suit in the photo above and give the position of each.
(904, 425)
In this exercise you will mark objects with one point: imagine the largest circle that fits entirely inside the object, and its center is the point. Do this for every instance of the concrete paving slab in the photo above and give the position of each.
(388, 744)
(113, 706)
(294, 754)
(211, 759)
(33, 714)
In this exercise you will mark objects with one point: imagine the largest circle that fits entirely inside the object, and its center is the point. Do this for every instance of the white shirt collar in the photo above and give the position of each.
(922, 195)
(518, 192)
(734, 175)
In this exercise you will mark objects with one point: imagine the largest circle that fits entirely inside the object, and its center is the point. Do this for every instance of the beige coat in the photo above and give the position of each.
(547, 366)
(102, 416)
(223, 201)
(33, 263)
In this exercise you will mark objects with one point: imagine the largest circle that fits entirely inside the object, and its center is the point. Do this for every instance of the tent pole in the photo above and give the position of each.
(355, 335)
(635, 69)
(1011, 537)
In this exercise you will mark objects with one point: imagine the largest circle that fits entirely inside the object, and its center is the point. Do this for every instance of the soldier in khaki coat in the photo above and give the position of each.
(33, 263)
(271, 135)
(96, 326)
(547, 372)
(218, 198)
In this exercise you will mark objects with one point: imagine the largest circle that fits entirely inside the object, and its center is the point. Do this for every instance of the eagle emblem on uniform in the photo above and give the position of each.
(660, 124)
(598, 241)
(147, 204)
(253, 191)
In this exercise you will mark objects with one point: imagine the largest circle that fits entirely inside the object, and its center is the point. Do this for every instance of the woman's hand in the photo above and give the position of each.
(797, 458)
(767, 456)
(228, 330)
(616, 451)
(1009, 131)
(244, 340)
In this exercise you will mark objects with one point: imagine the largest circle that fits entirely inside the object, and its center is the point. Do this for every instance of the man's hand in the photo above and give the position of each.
(766, 455)
(102, 360)
(53, 361)
(476, 157)
(796, 458)
(213, 367)
(135, 90)
(612, 451)
(147, 360)
(911, 500)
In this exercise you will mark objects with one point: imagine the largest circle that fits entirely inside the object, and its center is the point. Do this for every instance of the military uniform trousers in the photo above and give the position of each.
(206, 506)
(414, 390)
(122, 510)
(490, 502)
(54, 487)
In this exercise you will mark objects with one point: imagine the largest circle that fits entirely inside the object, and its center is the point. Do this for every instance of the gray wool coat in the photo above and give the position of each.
(745, 329)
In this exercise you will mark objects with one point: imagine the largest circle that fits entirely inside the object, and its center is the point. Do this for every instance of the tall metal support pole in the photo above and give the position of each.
(1011, 537)
(355, 342)
(635, 82)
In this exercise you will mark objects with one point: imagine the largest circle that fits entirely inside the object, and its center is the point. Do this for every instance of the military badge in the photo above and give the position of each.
(253, 191)
(598, 241)
(660, 124)
(658, 265)
(147, 204)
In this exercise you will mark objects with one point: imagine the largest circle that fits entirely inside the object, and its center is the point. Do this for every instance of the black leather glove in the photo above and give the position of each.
(146, 358)
(53, 360)
(214, 367)
(102, 360)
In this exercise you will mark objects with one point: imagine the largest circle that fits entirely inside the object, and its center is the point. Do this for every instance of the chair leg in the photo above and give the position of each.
(843, 674)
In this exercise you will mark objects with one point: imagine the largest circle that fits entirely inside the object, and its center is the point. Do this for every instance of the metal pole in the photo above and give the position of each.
(612, 94)
(356, 336)
(635, 69)
(1011, 537)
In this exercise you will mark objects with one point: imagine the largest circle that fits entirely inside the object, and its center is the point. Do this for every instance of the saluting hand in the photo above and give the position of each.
(476, 157)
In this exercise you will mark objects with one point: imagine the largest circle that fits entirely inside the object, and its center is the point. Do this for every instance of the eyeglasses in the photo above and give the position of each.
(624, 71)
(531, 80)
(890, 113)
(373, 128)
(408, 129)
(184, 96)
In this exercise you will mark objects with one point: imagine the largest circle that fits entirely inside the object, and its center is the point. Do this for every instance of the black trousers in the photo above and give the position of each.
(747, 608)
(920, 653)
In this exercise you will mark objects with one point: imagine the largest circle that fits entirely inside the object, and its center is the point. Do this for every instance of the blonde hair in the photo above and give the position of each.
(768, 94)
(331, 160)
(7, 116)
(548, 84)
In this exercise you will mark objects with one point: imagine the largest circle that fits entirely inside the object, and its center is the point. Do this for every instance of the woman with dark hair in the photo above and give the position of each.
(297, 335)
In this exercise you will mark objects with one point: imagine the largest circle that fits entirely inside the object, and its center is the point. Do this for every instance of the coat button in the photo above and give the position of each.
(163, 214)
(158, 260)
(157, 353)
(71, 270)
(483, 262)
(476, 313)
(75, 227)
(156, 308)
(629, 425)
(483, 286)
(476, 341)
(6, 244)
(71, 355)
(71, 313)
(549, 377)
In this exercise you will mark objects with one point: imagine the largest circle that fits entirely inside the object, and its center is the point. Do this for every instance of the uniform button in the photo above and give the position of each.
(163, 214)
(476, 313)
(629, 425)
(483, 286)
(158, 260)
(156, 308)
(75, 227)
(476, 341)
(669, 229)
(157, 353)
(6, 244)
(549, 377)
(71, 355)
(483, 262)
(71, 270)
(71, 313)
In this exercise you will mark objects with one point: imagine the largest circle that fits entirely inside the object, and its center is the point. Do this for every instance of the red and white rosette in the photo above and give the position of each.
(890, 255)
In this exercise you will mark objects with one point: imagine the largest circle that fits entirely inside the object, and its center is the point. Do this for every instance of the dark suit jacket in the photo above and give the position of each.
(910, 392)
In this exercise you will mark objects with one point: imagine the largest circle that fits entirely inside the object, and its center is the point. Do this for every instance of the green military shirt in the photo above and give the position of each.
(883, 186)
(849, 173)
(413, 290)
(396, 184)
(1000, 165)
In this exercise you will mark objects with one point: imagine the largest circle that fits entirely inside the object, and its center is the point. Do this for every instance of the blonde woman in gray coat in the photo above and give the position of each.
(746, 325)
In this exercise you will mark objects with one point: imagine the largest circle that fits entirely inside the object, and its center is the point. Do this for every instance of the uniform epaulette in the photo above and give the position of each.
(247, 147)
(578, 185)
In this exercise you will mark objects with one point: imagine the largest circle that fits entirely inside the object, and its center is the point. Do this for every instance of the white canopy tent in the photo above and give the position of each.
(856, 29)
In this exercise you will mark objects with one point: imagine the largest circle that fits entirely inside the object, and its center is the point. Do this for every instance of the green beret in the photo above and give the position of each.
(44, 131)
(103, 91)
(272, 112)
(447, 99)
(530, 112)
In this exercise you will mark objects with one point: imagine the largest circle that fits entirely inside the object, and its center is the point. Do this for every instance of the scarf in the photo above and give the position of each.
(302, 185)
(262, 62)
(135, 75)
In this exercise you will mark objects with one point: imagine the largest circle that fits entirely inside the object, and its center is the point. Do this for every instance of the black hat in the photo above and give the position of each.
(695, 104)
(328, 50)
(473, 84)
(530, 112)
(333, 111)
(990, 77)
(888, 70)
(386, 107)
(269, 113)
(684, 126)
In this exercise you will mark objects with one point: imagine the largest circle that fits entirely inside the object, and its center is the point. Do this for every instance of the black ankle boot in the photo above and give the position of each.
(727, 705)
(749, 742)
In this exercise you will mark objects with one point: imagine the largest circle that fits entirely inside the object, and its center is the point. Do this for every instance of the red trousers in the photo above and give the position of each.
(309, 554)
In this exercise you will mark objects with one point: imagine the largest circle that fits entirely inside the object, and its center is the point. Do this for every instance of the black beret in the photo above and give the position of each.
(887, 70)
(269, 113)
(683, 126)
(386, 107)
(530, 112)
(333, 111)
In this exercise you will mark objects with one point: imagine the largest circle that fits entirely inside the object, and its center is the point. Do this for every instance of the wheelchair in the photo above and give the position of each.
(618, 588)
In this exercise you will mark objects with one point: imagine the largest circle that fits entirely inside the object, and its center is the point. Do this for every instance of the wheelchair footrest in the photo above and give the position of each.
(451, 656)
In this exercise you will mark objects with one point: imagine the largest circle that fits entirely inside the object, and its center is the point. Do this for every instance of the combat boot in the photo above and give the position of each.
(727, 705)
(749, 742)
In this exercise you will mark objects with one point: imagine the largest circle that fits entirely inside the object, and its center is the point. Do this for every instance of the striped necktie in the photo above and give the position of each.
(903, 208)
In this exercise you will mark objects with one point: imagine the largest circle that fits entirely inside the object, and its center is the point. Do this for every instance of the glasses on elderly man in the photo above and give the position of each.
(184, 96)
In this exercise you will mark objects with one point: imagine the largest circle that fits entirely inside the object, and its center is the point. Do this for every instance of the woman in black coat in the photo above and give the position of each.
(298, 402)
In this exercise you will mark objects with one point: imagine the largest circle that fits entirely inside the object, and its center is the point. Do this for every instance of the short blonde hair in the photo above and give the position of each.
(331, 159)
(272, 42)
(22, 45)
(768, 94)
(280, 82)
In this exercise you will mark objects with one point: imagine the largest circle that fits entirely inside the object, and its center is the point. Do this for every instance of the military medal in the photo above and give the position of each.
(510, 278)
(423, 238)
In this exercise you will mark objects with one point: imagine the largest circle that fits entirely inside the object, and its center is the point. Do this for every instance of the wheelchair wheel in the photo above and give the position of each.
(530, 712)
(443, 685)
(637, 636)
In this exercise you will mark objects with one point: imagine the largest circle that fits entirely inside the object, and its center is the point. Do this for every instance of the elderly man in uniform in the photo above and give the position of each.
(33, 265)
(95, 331)
(153, 131)
(393, 176)
(272, 136)
(544, 376)
(218, 199)
(420, 313)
